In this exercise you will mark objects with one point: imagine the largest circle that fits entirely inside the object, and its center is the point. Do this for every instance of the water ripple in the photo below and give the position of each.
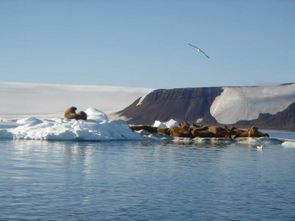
(145, 181)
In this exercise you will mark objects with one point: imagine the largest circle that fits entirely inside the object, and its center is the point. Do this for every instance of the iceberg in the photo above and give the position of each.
(288, 144)
(96, 115)
(168, 124)
(159, 124)
(98, 128)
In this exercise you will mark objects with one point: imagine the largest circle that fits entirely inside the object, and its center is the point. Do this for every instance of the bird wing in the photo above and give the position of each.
(194, 46)
(204, 53)
(199, 49)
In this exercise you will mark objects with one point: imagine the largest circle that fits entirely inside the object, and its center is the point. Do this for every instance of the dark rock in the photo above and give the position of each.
(189, 104)
(284, 120)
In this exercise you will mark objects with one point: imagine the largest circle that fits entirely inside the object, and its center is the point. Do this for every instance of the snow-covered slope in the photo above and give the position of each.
(50, 100)
(246, 103)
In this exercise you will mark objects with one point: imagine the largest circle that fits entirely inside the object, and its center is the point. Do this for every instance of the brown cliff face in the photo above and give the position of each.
(191, 104)
(188, 104)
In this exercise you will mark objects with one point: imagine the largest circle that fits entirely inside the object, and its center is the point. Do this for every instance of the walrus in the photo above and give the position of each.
(201, 133)
(219, 131)
(253, 132)
(164, 131)
(184, 124)
(81, 116)
(70, 113)
(180, 132)
(236, 132)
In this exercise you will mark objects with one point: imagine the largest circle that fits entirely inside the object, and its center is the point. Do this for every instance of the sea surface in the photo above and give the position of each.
(42, 180)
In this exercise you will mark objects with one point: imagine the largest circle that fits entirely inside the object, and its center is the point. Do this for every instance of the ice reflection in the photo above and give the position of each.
(59, 155)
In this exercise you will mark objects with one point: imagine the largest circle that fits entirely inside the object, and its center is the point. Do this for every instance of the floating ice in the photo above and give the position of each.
(159, 124)
(97, 129)
(199, 120)
(96, 115)
(29, 121)
(172, 123)
(169, 124)
(289, 144)
(4, 134)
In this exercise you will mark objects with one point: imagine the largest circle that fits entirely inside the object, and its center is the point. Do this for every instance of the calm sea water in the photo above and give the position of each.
(145, 181)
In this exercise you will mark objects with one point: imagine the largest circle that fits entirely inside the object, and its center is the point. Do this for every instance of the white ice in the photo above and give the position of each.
(96, 115)
(98, 128)
(159, 124)
(168, 124)
(289, 144)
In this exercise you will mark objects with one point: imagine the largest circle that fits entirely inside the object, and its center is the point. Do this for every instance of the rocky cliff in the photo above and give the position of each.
(284, 120)
(270, 107)
(190, 104)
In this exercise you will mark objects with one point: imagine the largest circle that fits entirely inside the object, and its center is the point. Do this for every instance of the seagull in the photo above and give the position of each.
(198, 49)
(259, 147)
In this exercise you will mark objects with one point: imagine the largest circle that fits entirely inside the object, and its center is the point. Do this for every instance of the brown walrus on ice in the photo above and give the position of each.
(81, 116)
(70, 113)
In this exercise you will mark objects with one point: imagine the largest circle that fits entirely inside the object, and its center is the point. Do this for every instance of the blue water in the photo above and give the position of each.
(42, 180)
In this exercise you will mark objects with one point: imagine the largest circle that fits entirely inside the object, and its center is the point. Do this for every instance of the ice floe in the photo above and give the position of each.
(289, 144)
(96, 115)
(98, 128)
(29, 121)
(168, 124)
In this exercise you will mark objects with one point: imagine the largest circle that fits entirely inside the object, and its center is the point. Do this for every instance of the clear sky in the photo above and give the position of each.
(144, 43)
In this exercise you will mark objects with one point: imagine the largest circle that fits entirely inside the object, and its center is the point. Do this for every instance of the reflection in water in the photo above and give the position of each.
(42, 180)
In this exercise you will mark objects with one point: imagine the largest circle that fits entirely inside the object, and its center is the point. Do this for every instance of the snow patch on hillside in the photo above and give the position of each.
(141, 100)
(246, 103)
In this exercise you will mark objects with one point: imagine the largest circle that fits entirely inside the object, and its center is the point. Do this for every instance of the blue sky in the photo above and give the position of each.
(144, 43)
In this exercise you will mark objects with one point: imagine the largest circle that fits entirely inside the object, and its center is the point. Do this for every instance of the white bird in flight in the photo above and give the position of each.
(198, 49)
(259, 148)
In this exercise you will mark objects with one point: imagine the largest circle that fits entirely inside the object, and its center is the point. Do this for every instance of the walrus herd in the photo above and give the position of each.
(193, 130)
(184, 130)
